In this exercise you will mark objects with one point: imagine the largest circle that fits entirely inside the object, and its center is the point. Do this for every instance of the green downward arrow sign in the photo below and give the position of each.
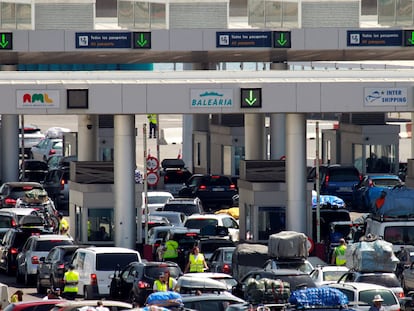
(411, 40)
(142, 41)
(3, 43)
(282, 41)
(250, 100)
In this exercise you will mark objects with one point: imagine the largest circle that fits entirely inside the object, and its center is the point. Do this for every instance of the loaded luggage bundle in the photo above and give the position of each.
(318, 297)
(371, 255)
(165, 299)
(266, 291)
(288, 244)
(247, 257)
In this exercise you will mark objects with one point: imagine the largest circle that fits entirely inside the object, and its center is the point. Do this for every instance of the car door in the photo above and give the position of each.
(46, 267)
(127, 280)
(214, 261)
(22, 256)
(3, 249)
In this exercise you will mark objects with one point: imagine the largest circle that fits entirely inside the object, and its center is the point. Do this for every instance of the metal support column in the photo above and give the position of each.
(296, 209)
(255, 136)
(124, 182)
(88, 137)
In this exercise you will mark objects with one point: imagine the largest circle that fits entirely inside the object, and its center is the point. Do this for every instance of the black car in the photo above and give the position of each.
(56, 185)
(214, 191)
(295, 278)
(52, 268)
(7, 220)
(174, 174)
(12, 244)
(11, 191)
(135, 282)
(33, 170)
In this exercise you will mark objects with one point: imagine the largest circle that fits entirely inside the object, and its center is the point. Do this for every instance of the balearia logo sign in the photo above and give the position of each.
(211, 98)
(385, 96)
(37, 99)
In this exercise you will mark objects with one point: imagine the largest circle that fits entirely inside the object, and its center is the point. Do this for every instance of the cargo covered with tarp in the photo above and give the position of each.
(371, 255)
(248, 257)
(318, 297)
(398, 202)
(266, 291)
(288, 244)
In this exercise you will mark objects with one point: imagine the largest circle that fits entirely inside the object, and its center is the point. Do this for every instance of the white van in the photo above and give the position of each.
(96, 264)
(399, 232)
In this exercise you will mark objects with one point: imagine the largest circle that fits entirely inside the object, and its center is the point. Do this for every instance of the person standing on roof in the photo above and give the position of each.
(152, 119)
(63, 224)
(196, 262)
(338, 255)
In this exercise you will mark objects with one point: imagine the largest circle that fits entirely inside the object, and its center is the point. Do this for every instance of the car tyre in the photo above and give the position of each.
(88, 293)
(19, 277)
(40, 289)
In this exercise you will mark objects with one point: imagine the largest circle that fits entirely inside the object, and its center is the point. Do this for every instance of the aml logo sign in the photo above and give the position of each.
(37, 99)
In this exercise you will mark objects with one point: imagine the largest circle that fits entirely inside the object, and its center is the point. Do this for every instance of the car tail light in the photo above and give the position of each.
(13, 223)
(232, 186)
(202, 187)
(142, 284)
(61, 266)
(326, 180)
(10, 201)
(62, 184)
(94, 279)
(14, 251)
(35, 260)
(226, 268)
(401, 295)
(52, 152)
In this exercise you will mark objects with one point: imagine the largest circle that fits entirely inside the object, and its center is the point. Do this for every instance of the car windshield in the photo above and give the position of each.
(367, 296)
(110, 261)
(187, 209)
(158, 199)
(5, 221)
(386, 280)
(386, 182)
(343, 174)
(45, 246)
(332, 275)
(200, 223)
(153, 272)
(301, 266)
(228, 256)
(399, 234)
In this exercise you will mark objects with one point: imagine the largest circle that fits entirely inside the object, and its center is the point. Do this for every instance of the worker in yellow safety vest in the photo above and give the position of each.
(338, 256)
(196, 262)
(152, 119)
(170, 250)
(164, 283)
(71, 279)
(63, 224)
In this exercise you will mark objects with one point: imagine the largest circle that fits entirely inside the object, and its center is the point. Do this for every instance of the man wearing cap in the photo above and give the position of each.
(377, 304)
(338, 255)
(164, 283)
(71, 279)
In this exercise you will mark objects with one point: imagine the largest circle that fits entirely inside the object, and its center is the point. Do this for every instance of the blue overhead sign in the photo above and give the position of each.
(103, 40)
(374, 37)
(244, 39)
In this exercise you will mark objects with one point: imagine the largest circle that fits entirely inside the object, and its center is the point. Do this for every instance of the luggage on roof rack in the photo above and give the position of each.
(398, 203)
(288, 244)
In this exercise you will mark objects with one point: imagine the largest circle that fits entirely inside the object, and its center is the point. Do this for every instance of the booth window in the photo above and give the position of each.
(100, 224)
(78, 99)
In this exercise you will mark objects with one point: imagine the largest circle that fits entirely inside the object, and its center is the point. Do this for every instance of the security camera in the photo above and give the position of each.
(89, 126)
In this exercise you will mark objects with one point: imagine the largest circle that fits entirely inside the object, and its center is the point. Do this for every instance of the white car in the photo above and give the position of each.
(96, 264)
(155, 200)
(323, 275)
(224, 278)
(46, 148)
(213, 220)
(360, 295)
(36, 246)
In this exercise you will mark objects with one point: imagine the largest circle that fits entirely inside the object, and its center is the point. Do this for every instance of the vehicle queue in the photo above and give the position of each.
(203, 237)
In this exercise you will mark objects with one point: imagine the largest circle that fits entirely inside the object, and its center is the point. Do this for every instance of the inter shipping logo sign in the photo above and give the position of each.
(38, 99)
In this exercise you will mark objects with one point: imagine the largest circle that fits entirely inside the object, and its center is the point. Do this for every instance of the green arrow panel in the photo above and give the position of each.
(281, 39)
(6, 41)
(141, 40)
(251, 98)
(408, 38)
